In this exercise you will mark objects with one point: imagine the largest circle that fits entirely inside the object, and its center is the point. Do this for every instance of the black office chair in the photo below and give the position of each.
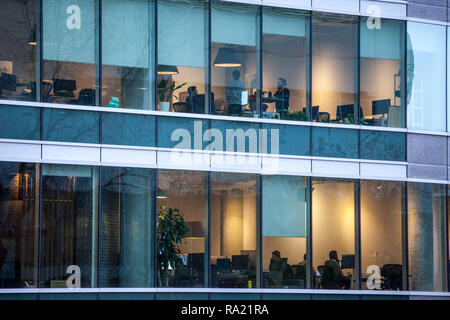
(392, 274)
(47, 88)
(86, 97)
(297, 276)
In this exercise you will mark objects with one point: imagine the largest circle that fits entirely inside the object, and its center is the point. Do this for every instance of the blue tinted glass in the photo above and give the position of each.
(71, 125)
(292, 140)
(426, 76)
(380, 145)
(128, 129)
(236, 136)
(19, 123)
(182, 133)
(334, 142)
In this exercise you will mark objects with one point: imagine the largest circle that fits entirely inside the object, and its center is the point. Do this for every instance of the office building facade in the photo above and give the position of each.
(207, 149)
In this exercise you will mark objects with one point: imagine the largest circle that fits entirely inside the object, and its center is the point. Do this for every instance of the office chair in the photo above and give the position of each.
(392, 274)
(46, 90)
(86, 97)
(180, 107)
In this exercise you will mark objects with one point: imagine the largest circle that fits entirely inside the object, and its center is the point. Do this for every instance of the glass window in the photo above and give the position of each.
(18, 122)
(69, 226)
(333, 231)
(284, 221)
(18, 42)
(382, 70)
(426, 237)
(334, 71)
(382, 260)
(19, 220)
(287, 139)
(128, 129)
(426, 76)
(234, 58)
(334, 142)
(126, 228)
(182, 56)
(70, 125)
(183, 215)
(382, 145)
(234, 235)
(69, 51)
(126, 54)
(285, 50)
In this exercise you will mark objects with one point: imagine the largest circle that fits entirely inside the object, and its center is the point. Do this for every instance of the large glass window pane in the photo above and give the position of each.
(426, 237)
(126, 228)
(334, 142)
(382, 260)
(18, 42)
(126, 54)
(234, 235)
(19, 221)
(334, 61)
(69, 226)
(426, 86)
(284, 212)
(382, 69)
(285, 63)
(234, 58)
(333, 231)
(182, 56)
(18, 122)
(69, 51)
(183, 214)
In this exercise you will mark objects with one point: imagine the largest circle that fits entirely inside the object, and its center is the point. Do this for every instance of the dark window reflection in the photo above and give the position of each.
(18, 44)
(18, 223)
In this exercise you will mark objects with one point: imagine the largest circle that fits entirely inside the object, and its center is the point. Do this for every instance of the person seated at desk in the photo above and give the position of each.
(233, 93)
(277, 268)
(332, 276)
(281, 96)
(192, 99)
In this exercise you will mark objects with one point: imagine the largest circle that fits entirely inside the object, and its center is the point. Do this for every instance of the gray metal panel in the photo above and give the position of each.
(426, 11)
(426, 149)
(424, 171)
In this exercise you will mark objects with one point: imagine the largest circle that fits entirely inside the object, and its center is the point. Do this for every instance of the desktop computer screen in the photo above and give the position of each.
(64, 88)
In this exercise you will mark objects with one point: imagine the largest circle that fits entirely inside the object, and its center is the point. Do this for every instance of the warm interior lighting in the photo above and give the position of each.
(32, 40)
(194, 230)
(165, 69)
(161, 194)
(227, 58)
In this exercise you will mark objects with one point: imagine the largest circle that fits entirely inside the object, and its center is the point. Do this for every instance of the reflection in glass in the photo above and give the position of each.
(126, 224)
(234, 236)
(382, 66)
(126, 54)
(284, 209)
(69, 51)
(182, 56)
(426, 237)
(334, 71)
(426, 76)
(183, 210)
(18, 225)
(69, 226)
(333, 221)
(234, 80)
(381, 235)
(18, 42)
(285, 63)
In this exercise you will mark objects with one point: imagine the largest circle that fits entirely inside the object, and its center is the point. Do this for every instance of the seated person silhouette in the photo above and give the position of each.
(332, 276)
(281, 96)
(233, 93)
(277, 268)
(192, 99)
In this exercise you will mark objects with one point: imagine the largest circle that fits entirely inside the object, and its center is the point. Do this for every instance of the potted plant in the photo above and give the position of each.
(166, 89)
(171, 230)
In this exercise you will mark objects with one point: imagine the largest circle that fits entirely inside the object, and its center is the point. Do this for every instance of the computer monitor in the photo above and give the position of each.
(8, 81)
(314, 113)
(348, 261)
(223, 265)
(345, 110)
(196, 261)
(380, 106)
(64, 88)
(239, 262)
